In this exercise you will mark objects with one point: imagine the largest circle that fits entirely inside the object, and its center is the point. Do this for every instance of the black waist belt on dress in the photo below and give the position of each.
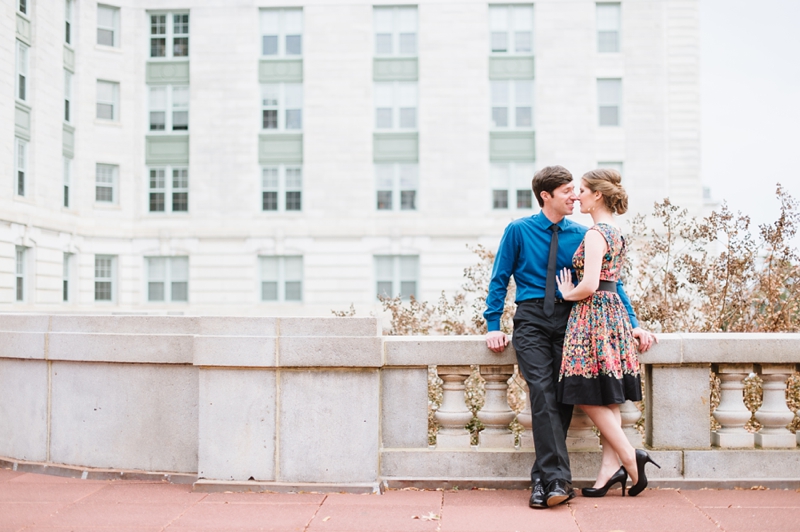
(608, 286)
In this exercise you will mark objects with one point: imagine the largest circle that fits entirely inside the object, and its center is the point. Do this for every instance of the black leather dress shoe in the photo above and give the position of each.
(559, 491)
(538, 499)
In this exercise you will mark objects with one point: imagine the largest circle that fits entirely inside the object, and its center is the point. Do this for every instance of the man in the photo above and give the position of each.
(533, 249)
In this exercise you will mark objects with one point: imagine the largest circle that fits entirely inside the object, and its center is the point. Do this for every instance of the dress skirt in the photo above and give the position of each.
(600, 365)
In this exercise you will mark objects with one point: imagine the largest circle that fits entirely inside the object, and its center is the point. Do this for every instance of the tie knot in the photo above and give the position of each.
(555, 228)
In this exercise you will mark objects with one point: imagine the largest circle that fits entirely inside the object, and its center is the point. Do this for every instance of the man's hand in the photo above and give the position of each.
(645, 338)
(496, 341)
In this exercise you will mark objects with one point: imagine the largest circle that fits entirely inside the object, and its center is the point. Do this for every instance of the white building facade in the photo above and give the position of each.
(252, 157)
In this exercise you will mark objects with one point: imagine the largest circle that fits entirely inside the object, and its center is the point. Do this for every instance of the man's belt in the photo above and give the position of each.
(608, 286)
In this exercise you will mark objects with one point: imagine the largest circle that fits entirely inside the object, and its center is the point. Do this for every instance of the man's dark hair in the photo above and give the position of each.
(548, 179)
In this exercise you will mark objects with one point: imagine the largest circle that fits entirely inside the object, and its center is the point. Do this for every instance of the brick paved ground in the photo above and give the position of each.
(33, 503)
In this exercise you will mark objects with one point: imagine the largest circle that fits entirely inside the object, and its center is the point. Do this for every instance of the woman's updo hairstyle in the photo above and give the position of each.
(607, 182)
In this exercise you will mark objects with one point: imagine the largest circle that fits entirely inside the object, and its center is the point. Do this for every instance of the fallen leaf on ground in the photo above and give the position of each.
(430, 516)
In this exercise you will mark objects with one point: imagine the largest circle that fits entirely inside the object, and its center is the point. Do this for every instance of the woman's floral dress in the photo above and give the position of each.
(600, 365)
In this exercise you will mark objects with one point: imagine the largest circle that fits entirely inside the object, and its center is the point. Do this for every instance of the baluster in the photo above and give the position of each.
(774, 414)
(525, 419)
(580, 435)
(496, 415)
(630, 416)
(453, 415)
(732, 413)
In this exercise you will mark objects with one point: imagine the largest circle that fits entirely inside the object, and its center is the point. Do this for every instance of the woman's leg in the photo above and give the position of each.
(607, 419)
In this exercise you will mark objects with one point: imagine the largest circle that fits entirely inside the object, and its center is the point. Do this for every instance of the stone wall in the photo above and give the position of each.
(329, 403)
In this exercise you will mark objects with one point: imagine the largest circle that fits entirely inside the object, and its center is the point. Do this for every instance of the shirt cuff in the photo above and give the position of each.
(493, 325)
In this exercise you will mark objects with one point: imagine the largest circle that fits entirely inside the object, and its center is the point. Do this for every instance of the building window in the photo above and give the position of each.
(107, 100)
(396, 186)
(106, 183)
(511, 29)
(67, 179)
(281, 278)
(21, 164)
(282, 106)
(67, 94)
(169, 34)
(104, 273)
(608, 27)
(65, 284)
(168, 194)
(281, 32)
(396, 105)
(512, 104)
(397, 275)
(107, 25)
(22, 6)
(20, 273)
(68, 21)
(169, 108)
(395, 31)
(22, 71)
(282, 188)
(511, 186)
(168, 279)
(609, 101)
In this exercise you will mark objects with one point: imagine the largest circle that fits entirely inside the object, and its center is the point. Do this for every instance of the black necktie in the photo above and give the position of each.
(550, 283)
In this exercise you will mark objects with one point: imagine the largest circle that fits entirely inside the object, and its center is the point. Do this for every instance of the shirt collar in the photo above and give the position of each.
(545, 223)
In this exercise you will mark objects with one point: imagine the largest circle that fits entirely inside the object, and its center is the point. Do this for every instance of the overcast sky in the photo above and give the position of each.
(750, 90)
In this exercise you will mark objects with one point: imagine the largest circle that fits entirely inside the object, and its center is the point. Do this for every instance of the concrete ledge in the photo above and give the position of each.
(668, 350)
(88, 473)
(218, 486)
(329, 351)
(442, 351)
(731, 348)
(28, 345)
(173, 325)
(233, 351)
(138, 348)
(720, 464)
(236, 326)
(328, 326)
(24, 322)
(499, 464)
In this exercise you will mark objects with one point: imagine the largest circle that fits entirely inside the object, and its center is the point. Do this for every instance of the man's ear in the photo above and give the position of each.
(545, 195)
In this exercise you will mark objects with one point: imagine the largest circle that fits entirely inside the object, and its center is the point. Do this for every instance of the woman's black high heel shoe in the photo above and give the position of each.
(620, 476)
(641, 460)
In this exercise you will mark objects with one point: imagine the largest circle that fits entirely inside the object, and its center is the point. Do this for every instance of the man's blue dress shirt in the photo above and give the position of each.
(523, 253)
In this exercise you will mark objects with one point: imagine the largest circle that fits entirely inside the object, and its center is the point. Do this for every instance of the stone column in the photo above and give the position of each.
(496, 415)
(774, 415)
(453, 415)
(580, 435)
(677, 406)
(525, 419)
(732, 413)
(630, 416)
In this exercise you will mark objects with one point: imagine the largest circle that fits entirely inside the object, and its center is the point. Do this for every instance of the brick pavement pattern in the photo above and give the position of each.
(39, 503)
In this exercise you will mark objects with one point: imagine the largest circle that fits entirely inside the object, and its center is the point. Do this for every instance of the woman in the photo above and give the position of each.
(600, 367)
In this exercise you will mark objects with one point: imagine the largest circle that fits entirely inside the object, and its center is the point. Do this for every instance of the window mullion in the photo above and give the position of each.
(282, 32)
(282, 188)
(282, 106)
(281, 279)
(512, 187)
(396, 276)
(170, 45)
(168, 189)
(396, 202)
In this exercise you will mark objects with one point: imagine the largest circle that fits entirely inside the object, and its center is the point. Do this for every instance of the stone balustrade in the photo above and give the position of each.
(329, 404)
